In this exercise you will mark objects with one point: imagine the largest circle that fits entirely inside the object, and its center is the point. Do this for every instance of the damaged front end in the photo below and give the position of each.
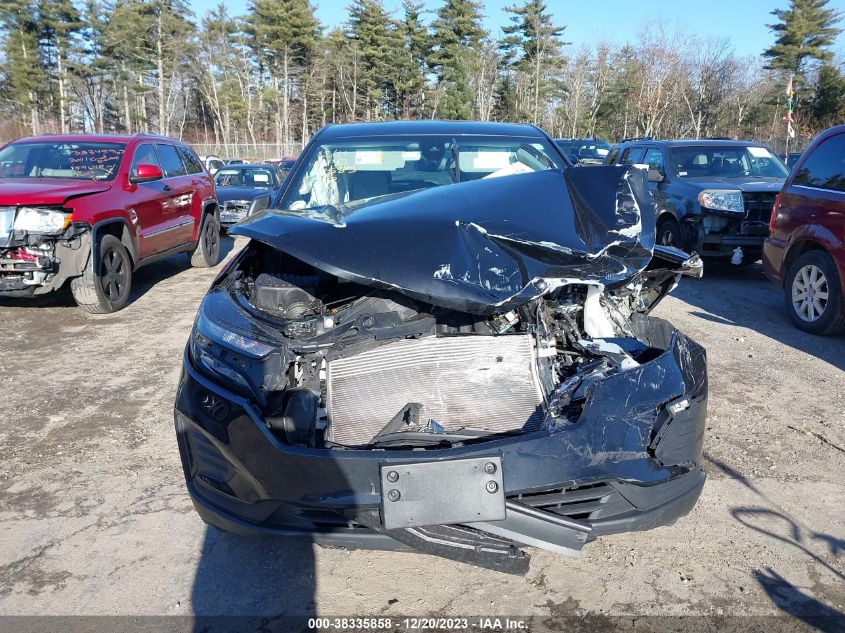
(40, 249)
(460, 370)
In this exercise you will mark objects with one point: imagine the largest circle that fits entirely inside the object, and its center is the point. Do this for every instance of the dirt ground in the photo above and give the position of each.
(95, 519)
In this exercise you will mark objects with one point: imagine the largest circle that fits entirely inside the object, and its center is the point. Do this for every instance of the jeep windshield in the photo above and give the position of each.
(61, 159)
(719, 161)
(354, 170)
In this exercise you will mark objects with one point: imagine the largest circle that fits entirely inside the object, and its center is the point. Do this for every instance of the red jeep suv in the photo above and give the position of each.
(805, 252)
(92, 209)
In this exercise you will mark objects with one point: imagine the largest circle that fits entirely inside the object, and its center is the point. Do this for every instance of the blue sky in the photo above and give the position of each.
(743, 21)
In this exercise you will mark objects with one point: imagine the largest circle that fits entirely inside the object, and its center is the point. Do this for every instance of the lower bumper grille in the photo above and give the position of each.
(474, 381)
(591, 502)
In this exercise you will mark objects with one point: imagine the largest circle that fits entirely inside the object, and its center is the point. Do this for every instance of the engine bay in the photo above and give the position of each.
(367, 367)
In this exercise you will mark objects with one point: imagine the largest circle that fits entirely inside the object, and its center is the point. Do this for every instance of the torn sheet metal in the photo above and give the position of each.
(481, 246)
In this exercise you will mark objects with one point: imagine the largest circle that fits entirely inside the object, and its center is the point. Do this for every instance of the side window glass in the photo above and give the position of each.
(611, 159)
(654, 159)
(145, 154)
(192, 163)
(170, 161)
(825, 167)
(633, 156)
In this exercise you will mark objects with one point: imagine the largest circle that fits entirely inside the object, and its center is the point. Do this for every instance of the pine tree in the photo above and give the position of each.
(458, 35)
(532, 44)
(59, 22)
(378, 40)
(827, 107)
(805, 31)
(284, 35)
(25, 76)
(413, 61)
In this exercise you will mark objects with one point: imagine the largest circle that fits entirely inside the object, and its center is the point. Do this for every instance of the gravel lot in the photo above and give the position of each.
(95, 519)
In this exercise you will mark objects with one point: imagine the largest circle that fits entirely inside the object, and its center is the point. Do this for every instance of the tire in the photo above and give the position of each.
(207, 251)
(669, 233)
(107, 289)
(813, 294)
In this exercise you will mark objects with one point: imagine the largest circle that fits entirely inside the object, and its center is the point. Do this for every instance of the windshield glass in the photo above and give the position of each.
(82, 161)
(227, 177)
(354, 170)
(726, 162)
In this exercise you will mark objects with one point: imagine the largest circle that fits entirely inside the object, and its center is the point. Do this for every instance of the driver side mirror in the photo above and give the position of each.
(655, 175)
(146, 173)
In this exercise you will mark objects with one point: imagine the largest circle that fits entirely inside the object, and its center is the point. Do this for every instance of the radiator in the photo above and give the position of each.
(473, 381)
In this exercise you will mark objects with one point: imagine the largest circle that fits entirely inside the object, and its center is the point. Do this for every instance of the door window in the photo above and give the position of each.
(145, 154)
(192, 163)
(633, 156)
(654, 159)
(825, 167)
(170, 161)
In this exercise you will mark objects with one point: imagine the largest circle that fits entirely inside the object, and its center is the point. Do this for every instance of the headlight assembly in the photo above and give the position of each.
(722, 200)
(41, 220)
(242, 362)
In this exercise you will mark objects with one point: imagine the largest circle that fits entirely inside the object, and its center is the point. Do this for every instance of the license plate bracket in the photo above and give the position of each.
(442, 493)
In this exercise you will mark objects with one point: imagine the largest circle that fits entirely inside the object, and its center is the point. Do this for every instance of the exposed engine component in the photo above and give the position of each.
(371, 367)
(278, 296)
(480, 382)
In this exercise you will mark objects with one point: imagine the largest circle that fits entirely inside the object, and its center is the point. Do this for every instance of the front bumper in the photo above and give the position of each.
(66, 258)
(625, 465)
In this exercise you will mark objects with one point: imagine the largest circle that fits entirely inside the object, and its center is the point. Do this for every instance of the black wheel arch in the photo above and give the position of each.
(120, 229)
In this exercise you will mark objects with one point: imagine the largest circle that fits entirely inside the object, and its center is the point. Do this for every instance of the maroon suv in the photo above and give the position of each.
(804, 251)
(92, 209)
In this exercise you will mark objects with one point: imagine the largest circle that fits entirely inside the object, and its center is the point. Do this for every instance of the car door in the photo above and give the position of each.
(180, 187)
(145, 205)
(816, 194)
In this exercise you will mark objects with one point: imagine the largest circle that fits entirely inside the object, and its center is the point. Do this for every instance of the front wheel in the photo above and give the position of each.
(813, 294)
(105, 289)
(207, 251)
(669, 233)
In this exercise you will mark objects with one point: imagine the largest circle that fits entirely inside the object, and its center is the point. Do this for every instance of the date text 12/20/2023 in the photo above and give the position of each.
(478, 623)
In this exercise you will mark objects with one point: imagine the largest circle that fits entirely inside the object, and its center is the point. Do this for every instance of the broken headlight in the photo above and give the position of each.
(41, 220)
(239, 360)
(722, 200)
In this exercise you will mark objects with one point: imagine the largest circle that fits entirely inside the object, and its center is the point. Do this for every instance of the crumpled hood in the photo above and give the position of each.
(224, 194)
(56, 191)
(482, 246)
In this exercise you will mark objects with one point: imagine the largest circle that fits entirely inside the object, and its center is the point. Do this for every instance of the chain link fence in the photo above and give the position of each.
(253, 152)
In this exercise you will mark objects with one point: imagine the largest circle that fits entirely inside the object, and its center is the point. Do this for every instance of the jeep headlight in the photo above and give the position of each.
(41, 220)
(722, 200)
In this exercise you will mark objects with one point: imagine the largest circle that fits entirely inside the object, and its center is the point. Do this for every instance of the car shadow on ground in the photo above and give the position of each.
(754, 303)
(253, 583)
(143, 280)
(773, 522)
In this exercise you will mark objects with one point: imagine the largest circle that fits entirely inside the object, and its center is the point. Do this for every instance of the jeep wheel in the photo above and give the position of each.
(813, 294)
(669, 233)
(207, 251)
(106, 289)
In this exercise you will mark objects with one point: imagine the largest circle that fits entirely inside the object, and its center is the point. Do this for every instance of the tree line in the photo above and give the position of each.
(276, 74)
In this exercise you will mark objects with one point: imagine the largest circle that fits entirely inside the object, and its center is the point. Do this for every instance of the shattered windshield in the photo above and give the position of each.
(726, 162)
(354, 170)
(81, 161)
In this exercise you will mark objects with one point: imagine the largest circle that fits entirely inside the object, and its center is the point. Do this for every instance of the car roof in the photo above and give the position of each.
(98, 138)
(692, 142)
(391, 128)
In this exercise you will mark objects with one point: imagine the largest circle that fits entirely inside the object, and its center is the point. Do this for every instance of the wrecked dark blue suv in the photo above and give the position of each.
(713, 197)
(441, 342)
